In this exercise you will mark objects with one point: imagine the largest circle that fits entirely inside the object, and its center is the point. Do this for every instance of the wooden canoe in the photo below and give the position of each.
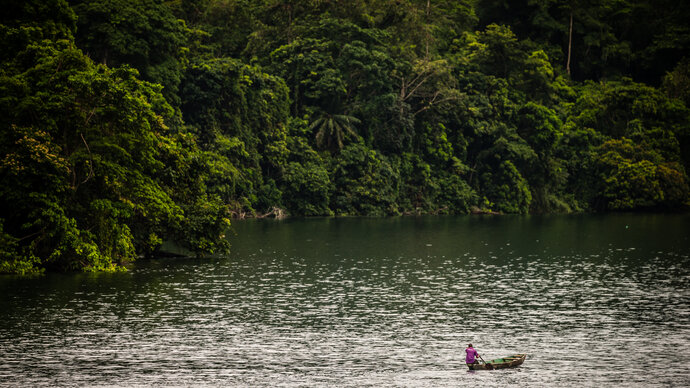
(500, 363)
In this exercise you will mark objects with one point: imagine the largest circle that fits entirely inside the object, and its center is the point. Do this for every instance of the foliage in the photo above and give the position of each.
(364, 181)
(506, 189)
(124, 124)
(331, 129)
(143, 34)
(85, 185)
(226, 103)
(307, 188)
(632, 177)
(643, 38)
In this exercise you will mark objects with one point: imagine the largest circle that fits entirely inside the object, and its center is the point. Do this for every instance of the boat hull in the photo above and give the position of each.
(500, 363)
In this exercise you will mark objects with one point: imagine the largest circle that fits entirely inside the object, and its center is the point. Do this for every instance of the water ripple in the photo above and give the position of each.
(273, 317)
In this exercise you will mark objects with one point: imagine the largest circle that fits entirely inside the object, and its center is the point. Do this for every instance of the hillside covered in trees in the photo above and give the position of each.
(124, 124)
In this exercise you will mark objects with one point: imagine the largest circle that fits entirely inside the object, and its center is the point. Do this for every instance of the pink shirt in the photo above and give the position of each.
(471, 354)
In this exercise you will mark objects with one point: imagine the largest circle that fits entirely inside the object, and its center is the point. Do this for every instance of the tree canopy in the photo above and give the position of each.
(124, 125)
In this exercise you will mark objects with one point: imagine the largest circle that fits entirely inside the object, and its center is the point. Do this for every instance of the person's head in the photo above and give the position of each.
(469, 346)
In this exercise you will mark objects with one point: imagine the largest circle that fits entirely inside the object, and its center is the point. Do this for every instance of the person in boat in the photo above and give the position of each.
(472, 355)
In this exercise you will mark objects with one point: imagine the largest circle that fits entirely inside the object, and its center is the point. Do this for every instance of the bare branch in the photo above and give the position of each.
(434, 101)
(91, 174)
(411, 93)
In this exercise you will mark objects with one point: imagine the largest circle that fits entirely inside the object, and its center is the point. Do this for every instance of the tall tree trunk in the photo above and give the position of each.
(570, 42)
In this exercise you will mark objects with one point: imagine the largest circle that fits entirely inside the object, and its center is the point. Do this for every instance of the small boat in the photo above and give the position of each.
(500, 363)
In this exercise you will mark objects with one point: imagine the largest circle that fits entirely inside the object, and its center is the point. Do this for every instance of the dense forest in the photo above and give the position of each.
(124, 124)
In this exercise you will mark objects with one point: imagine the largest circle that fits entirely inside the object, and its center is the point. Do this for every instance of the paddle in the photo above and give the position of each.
(488, 366)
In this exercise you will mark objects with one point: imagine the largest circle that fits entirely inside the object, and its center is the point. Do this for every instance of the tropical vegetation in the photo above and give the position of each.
(126, 124)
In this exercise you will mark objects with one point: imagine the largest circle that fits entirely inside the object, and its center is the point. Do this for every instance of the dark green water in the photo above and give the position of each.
(593, 301)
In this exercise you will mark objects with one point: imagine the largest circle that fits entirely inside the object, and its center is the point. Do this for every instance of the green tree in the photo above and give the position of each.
(677, 82)
(497, 51)
(633, 178)
(505, 188)
(82, 151)
(332, 129)
(238, 114)
(143, 34)
(365, 183)
(24, 22)
(540, 127)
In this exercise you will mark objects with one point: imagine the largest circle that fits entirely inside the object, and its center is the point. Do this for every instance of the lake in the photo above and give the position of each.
(593, 300)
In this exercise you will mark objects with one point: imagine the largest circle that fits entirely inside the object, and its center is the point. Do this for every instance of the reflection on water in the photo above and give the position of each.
(592, 300)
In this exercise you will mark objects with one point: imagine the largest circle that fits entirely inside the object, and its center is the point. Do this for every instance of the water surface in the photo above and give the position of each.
(593, 300)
